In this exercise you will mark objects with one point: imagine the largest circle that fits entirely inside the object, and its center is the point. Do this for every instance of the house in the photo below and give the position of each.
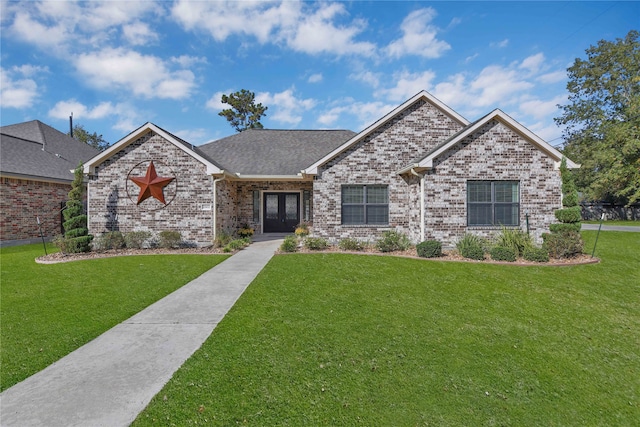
(36, 164)
(422, 169)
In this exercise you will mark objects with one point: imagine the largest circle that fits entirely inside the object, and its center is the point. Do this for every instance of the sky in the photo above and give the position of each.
(316, 65)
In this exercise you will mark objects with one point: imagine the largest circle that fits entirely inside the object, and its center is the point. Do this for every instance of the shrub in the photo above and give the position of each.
(237, 244)
(471, 246)
(563, 245)
(562, 227)
(392, 241)
(316, 243)
(503, 253)
(290, 244)
(169, 239)
(245, 231)
(536, 254)
(77, 238)
(223, 237)
(568, 215)
(136, 239)
(570, 200)
(349, 244)
(72, 246)
(302, 229)
(109, 240)
(514, 238)
(429, 249)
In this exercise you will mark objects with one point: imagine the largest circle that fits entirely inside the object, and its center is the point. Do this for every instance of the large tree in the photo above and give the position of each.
(602, 120)
(93, 139)
(244, 112)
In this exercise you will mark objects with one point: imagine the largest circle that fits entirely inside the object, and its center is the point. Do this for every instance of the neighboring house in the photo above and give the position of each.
(422, 169)
(36, 163)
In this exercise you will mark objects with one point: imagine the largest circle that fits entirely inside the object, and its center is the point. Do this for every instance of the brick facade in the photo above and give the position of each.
(376, 160)
(22, 201)
(494, 152)
(112, 198)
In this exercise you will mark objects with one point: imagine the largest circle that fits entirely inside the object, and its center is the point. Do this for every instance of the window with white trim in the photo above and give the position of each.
(365, 204)
(493, 203)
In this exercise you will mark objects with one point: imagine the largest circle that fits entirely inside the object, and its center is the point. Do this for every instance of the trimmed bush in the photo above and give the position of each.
(536, 254)
(223, 237)
(109, 240)
(568, 215)
(429, 249)
(471, 246)
(290, 244)
(502, 253)
(169, 239)
(316, 243)
(570, 200)
(76, 238)
(136, 239)
(349, 244)
(563, 245)
(562, 227)
(392, 241)
(237, 244)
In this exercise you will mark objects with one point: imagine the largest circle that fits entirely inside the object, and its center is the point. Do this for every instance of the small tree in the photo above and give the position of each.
(92, 139)
(244, 112)
(76, 235)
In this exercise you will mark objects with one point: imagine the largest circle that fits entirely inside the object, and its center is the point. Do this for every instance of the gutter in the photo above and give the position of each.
(422, 179)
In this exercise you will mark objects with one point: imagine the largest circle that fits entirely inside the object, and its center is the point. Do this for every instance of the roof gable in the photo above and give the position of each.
(193, 151)
(426, 162)
(421, 96)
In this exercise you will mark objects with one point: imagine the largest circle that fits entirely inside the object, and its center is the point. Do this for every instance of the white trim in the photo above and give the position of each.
(90, 165)
(298, 177)
(424, 95)
(427, 162)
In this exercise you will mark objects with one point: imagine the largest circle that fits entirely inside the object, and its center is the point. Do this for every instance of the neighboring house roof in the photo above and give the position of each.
(212, 166)
(421, 96)
(268, 152)
(34, 150)
(426, 161)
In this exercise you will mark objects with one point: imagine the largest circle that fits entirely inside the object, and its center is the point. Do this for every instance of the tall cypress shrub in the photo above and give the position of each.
(565, 240)
(76, 235)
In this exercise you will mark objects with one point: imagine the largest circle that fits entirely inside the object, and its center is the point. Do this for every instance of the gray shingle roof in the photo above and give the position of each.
(34, 149)
(274, 152)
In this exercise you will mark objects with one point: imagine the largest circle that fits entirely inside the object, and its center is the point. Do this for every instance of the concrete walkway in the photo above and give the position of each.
(611, 227)
(108, 381)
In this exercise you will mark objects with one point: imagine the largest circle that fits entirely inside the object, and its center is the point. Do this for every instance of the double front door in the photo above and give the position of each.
(281, 212)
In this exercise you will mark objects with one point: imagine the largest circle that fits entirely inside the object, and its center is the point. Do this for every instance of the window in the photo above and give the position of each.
(493, 203)
(365, 204)
(256, 206)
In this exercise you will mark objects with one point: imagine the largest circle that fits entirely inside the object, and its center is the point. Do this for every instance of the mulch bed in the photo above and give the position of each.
(411, 253)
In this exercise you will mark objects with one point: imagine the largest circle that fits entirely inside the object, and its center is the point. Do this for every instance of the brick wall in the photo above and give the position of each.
(22, 201)
(494, 152)
(112, 198)
(376, 160)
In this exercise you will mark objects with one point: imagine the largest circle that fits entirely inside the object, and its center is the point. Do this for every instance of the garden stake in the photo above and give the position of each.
(597, 235)
(41, 235)
(526, 216)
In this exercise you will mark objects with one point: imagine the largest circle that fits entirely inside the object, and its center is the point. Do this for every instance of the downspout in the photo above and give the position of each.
(214, 183)
(422, 178)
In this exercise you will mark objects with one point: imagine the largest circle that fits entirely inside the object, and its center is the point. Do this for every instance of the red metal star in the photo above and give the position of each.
(151, 185)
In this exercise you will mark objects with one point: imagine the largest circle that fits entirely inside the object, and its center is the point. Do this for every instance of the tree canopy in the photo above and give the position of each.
(244, 112)
(93, 139)
(602, 120)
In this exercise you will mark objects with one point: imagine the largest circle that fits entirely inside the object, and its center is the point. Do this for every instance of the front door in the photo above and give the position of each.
(281, 212)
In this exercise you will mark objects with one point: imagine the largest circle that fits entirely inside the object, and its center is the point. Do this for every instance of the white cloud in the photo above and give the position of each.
(143, 75)
(553, 77)
(284, 107)
(540, 109)
(470, 58)
(215, 102)
(187, 61)
(365, 112)
(419, 36)
(139, 33)
(368, 77)
(501, 44)
(17, 92)
(63, 109)
(407, 85)
(533, 63)
(315, 78)
(496, 85)
(194, 136)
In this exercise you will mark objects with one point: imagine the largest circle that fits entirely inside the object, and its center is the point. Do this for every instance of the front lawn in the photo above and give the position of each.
(47, 311)
(336, 339)
(628, 223)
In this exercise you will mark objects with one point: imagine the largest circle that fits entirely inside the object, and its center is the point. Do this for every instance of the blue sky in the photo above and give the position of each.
(118, 64)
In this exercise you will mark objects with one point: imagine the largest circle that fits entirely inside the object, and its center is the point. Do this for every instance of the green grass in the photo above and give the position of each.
(335, 339)
(615, 222)
(47, 311)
